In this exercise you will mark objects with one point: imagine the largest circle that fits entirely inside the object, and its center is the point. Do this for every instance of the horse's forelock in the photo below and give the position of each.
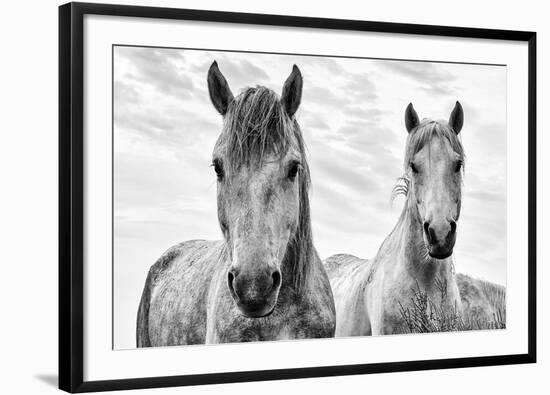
(257, 125)
(425, 132)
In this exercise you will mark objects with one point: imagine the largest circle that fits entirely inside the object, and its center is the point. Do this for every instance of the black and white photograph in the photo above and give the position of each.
(271, 198)
(276, 197)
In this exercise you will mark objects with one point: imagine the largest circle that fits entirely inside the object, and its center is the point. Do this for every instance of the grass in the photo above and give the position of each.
(424, 315)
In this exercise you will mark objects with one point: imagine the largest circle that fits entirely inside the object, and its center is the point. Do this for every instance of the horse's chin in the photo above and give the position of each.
(255, 312)
(440, 255)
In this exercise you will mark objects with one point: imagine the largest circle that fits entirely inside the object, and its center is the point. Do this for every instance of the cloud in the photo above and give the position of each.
(367, 135)
(487, 196)
(322, 95)
(489, 136)
(311, 121)
(125, 93)
(174, 130)
(160, 68)
(430, 77)
(239, 74)
(319, 64)
(356, 90)
(360, 174)
(361, 87)
(151, 181)
(371, 114)
(373, 142)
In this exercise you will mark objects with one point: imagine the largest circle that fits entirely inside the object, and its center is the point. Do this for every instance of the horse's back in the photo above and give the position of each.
(483, 303)
(172, 310)
(347, 278)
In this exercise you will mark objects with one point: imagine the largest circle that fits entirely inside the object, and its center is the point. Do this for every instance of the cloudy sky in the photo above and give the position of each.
(352, 119)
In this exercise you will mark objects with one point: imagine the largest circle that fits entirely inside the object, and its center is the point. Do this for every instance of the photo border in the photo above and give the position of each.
(113, 46)
(71, 195)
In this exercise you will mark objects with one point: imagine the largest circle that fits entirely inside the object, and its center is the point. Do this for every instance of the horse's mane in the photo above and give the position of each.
(256, 124)
(416, 140)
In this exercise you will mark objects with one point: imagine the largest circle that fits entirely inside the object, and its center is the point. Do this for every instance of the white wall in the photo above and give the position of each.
(28, 198)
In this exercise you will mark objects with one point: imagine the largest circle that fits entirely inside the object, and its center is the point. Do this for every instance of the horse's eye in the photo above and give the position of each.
(458, 166)
(218, 168)
(413, 168)
(293, 170)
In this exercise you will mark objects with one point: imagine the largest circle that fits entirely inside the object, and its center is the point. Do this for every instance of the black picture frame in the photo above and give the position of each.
(71, 182)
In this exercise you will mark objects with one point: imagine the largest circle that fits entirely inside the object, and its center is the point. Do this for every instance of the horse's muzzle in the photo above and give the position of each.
(440, 238)
(254, 292)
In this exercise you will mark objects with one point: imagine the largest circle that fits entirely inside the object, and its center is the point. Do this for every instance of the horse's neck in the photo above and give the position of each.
(412, 259)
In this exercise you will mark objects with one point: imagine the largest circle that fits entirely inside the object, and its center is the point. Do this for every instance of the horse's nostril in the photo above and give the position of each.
(453, 226)
(230, 278)
(433, 237)
(276, 279)
(427, 230)
(430, 233)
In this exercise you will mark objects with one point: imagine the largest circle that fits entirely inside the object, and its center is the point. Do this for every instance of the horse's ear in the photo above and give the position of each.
(411, 118)
(292, 91)
(456, 120)
(220, 94)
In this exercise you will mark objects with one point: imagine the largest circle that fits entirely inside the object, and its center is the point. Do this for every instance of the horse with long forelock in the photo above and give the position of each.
(371, 295)
(264, 280)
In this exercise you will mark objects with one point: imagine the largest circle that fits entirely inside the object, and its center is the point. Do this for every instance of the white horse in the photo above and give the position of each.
(264, 279)
(415, 260)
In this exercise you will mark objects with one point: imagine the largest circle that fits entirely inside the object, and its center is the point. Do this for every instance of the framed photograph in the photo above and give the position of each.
(251, 197)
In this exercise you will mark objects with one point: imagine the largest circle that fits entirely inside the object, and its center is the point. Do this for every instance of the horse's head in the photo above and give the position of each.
(263, 176)
(434, 161)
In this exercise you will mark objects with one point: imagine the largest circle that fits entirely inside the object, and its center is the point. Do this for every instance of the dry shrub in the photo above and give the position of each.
(424, 315)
